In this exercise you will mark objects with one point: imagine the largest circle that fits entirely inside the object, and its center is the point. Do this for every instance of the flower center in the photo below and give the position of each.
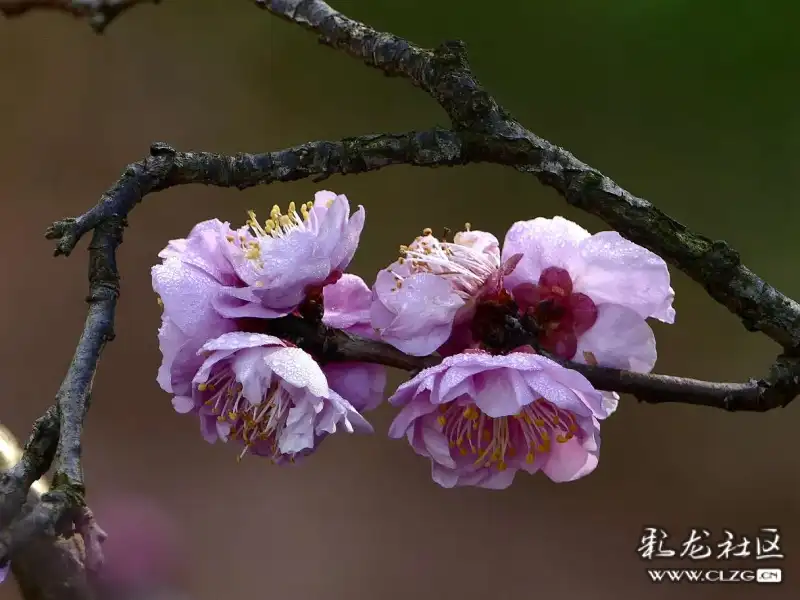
(251, 423)
(490, 441)
(465, 267)
(277, 226)
(562, 315)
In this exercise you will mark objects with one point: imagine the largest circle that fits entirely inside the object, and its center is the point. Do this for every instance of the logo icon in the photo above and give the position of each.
(769, 575)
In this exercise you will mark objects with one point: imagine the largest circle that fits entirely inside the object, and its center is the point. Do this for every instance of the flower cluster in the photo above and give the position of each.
(223, 289)
(502, 322)
(498, 403)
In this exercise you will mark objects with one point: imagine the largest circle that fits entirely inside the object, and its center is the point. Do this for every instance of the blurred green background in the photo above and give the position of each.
(691, 105)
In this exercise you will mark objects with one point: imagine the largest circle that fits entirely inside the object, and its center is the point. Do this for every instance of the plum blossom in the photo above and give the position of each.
(481, 418)
(282, 259)
(270, 397)
(266, 270)
(584, 297)
(589, 293)
(219, 289)
(433, 286)
(218, 274)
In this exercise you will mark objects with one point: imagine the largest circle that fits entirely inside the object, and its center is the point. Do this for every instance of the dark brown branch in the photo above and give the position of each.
(36, 459)
(62, 559)
(165, 168)
(58, 511)
(775, 391)
(100, 13)
(445, 74)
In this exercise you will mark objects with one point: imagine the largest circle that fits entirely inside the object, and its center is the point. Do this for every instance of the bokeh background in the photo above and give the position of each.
(692, 105)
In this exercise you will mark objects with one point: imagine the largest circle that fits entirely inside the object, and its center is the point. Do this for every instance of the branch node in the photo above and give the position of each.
(67, 231)
(162, 149)
(453, 54)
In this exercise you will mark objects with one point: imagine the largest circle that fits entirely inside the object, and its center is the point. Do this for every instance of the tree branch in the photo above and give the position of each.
(60, 511)
(444, 73)
(165, 168)
(777, 390)
(61, 559)
(100, 13)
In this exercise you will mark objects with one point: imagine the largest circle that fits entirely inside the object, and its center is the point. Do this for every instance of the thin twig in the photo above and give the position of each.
(100, 13)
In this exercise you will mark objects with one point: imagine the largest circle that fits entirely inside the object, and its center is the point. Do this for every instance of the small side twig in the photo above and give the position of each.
(100, 13)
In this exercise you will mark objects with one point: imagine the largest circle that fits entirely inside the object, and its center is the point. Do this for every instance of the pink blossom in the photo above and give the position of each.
(347, 307)
(419, 298)
(280, 260)
(211, 281)
(272, 398)
(554, 286)
(266, 270)
(590, 293)
(480, 418)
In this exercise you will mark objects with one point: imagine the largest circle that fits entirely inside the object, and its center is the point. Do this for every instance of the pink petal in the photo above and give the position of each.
(238, 340)
(446, 478)
(618, 271)
(502, 393)
(424, 310)
(620, 338)
(556, 277)
(543, 243)
(417, 408)
(297, 368)
(298, 435)
(183, 404)
(569, 461)
(480, 241)
(436, 445)
(362, 384)
(187, 294)
(347, 302)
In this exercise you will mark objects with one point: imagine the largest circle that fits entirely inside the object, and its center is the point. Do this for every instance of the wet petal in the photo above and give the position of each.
(621, 272)
(620, 339)
(543, 243)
